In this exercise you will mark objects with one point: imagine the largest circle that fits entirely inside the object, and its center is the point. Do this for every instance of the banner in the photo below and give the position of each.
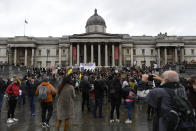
(74, 53)
(116, 50)
(87, 66)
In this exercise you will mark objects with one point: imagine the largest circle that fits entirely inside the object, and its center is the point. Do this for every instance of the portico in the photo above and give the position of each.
(101, 53)
(170, 53)
(22, 54)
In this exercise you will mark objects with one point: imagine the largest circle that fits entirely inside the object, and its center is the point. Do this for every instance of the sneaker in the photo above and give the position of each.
(47, 125)
(33, 114)
(14, 119)
(117, 120)
(112, 121)
(9, 121)
(43, 125)
(128, 121)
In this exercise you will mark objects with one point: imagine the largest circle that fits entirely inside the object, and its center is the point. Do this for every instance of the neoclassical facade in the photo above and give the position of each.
(97, 46)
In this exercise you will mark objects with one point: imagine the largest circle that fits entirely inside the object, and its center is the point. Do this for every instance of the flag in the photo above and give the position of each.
(74, 53)
(80, 76)
(69, 71)
(116, 52)
(26, 22)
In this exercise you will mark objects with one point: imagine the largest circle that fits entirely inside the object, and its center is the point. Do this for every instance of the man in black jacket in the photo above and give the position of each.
(2, 91)
(99, 94)
(31, 85)
(85, 87)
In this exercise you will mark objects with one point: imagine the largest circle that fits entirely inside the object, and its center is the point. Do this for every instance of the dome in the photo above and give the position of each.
(95, 20)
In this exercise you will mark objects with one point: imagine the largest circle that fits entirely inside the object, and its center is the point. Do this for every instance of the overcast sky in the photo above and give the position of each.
(67, 17)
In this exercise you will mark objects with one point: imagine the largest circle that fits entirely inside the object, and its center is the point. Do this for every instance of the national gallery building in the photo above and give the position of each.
(97, 46)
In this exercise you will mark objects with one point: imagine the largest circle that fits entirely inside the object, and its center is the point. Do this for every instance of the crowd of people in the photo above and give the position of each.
(171, 99)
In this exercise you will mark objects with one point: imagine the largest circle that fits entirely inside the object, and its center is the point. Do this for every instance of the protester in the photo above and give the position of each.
(31, 85)
(77, 83)
(65, 103)
(13, 92)
(192, 91)
(99, 94)
(115, 98)
(129, 103)
(44, 92)
(85, 87)
(23, 91)
(2, 91)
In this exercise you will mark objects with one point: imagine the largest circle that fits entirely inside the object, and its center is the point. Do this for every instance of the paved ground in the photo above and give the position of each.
(82, 122)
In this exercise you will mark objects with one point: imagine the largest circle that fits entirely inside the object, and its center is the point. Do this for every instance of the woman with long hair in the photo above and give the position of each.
(65, 102)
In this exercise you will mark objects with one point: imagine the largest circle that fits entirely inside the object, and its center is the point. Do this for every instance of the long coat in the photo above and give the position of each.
(65, 103)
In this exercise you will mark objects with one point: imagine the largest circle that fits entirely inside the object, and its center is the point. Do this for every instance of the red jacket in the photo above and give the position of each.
(13, 89)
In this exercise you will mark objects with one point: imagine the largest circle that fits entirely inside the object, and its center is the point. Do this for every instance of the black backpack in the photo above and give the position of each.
(182, 115)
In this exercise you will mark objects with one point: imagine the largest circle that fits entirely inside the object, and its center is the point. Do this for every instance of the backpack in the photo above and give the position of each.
(125, 91)
(43, 93)
(182, 115)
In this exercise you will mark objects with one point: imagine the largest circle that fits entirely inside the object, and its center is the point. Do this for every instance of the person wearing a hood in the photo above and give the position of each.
(46, 105)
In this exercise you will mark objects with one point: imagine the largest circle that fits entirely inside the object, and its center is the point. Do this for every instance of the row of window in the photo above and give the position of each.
(143, 51)
(152, 52)
(48, 52)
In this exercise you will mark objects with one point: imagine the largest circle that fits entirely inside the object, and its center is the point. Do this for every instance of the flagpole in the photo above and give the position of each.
(24, 28)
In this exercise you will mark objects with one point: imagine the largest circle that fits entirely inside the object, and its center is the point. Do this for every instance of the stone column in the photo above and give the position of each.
(124, 56)
(60, 57)
(106, 54)
(99, 55)
(176, 55)
(159, 57)
(32, 57)
(25, 60)
(113, 59)
(92, 53)
(78, 54)
(15, 56)
(120, 55)
(165, 50)
(182, 54)
(132, 62)
(85, 52)
(70, 55)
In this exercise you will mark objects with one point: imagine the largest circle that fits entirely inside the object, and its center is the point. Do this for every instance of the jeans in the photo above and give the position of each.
(98, 103)
(32, 104)
(12, 106)
(46, 106)
(129, 106)
(1, 100)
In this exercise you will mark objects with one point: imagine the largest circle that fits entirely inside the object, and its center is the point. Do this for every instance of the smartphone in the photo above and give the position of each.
(150, 77)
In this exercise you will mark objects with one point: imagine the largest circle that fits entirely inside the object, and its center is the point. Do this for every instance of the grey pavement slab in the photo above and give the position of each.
(81, 122)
